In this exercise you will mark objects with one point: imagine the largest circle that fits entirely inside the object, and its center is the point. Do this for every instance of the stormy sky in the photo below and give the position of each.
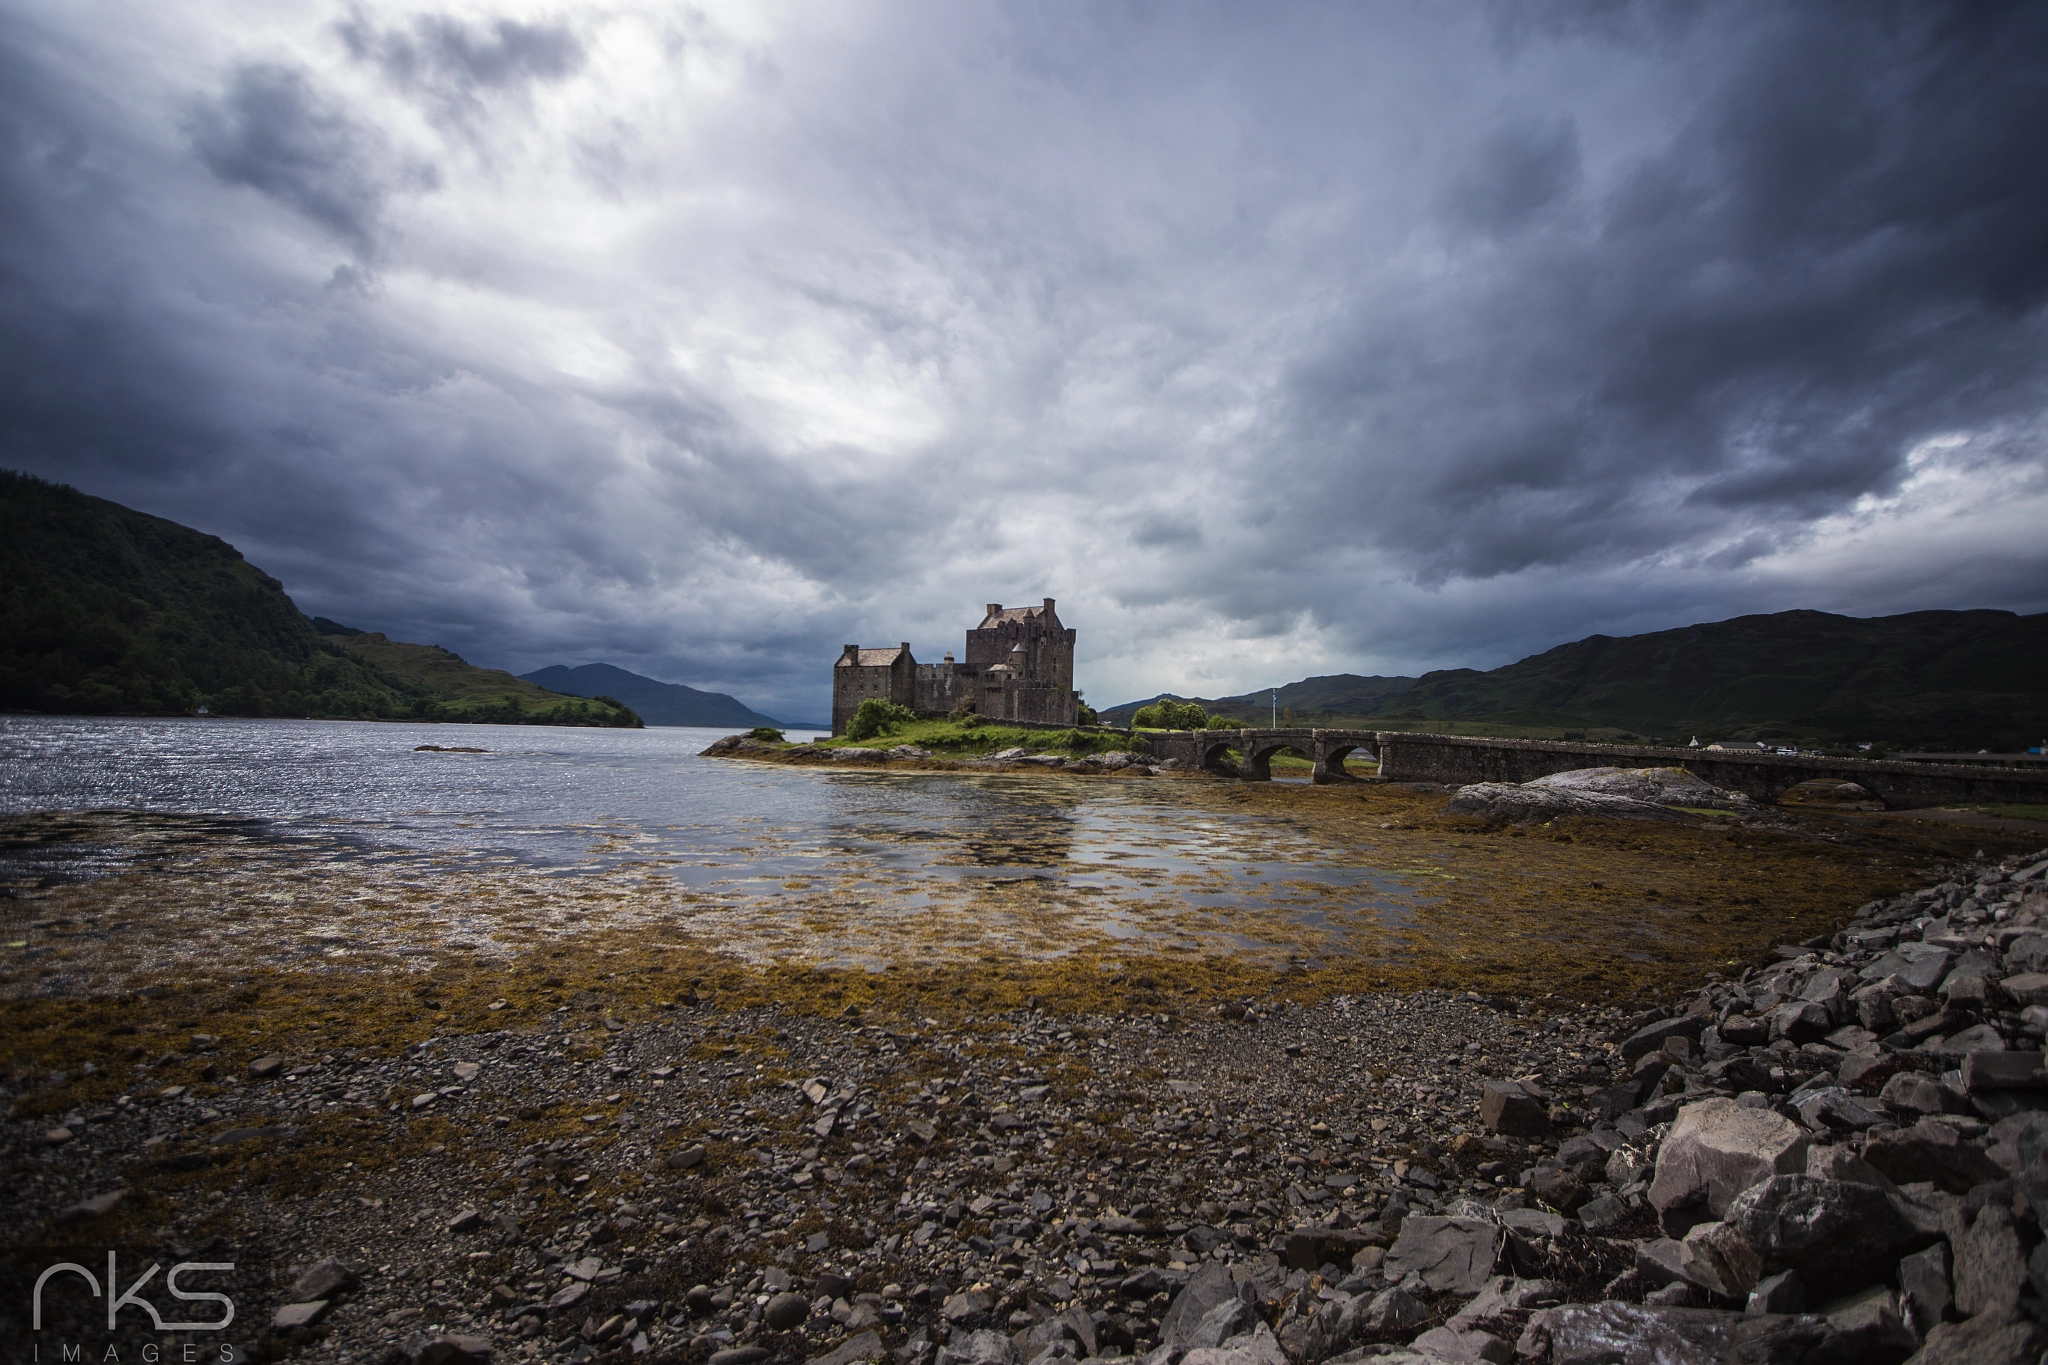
(1272, 340)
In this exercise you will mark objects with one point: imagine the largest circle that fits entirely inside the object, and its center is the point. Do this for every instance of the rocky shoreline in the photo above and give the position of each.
(1836, 1156)
(1120, 761)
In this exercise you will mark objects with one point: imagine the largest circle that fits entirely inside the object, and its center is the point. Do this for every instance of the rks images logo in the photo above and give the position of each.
(60, 1283)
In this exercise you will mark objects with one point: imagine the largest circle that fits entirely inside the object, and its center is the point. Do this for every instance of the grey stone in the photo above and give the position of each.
(1994, 1070)
(1919, 967)
(1513, 1109)
(1641, 1334)
(1463, 1346)
(324, 1279)
(1987, 1339)
(1559, 1189)
(1715, 1257)
(1505, 1294)
(1932, 1151)
(448, 1350)
(2028, 988)
(1604, 1214)
(1838, 1234)
(1207, 1287)
(1395, 1309)
(1801, 1021)
(865, 1346)
(979, 1348)
(1924, 1288)
(1840, 1163)
(1832, 1109)
(1783, 1292)
(1227, 1319)
(1916, 1094)
(1866, 1326)
(787, 1310)
(1454, 1254)
(739, 1355)
(1650, 1038)
(469, 1220)
(1717, 1149)
(1990, 1269)
(292, 1315)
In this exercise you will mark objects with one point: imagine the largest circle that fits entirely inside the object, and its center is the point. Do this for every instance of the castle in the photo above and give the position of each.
(1019, 666)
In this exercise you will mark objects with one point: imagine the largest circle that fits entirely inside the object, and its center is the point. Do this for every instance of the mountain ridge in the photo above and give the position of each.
(1931, 679)
(657, 702)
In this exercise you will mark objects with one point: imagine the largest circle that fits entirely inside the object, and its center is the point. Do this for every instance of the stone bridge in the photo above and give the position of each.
(1456, 760)
(1205, 749)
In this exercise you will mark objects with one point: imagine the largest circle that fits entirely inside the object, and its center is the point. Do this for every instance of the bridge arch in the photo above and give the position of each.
(1255, 761)
(1331, 751)
(1209, 749)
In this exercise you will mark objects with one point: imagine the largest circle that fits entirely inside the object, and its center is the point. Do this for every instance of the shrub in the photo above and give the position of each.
(766, 734)
(877, 717)
(962, 709)
(1223, 723)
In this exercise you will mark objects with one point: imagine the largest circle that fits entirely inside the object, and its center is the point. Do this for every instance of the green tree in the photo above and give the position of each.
(877, 717)
(1171, 713)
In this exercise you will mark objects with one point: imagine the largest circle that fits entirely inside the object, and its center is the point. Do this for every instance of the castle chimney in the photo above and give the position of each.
(850, 653)
(1048, 606)
(994, 607)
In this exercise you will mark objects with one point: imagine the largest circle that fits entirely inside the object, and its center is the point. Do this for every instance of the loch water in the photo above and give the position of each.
(567, 801)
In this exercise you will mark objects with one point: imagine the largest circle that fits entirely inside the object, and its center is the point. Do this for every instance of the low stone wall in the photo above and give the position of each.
(1457, 760)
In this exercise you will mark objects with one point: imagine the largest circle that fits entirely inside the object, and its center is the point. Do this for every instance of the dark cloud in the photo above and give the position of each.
(453, 64)
(272, 132)
(1321, 339)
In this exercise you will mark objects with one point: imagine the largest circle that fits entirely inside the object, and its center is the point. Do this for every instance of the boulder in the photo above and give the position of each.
(1920, 967)
(1924, 1293)
(1395, 1309)
(978, 1348)
(1801, 1021)
(1990, 1268)
(1513, 1109)
(1643, 1334)
(1915, 1095)
(1987, 1339)
(1463, 1346)
(1715, 1150)
(1450, 1254)
(1866, 1326)
(1991, 1070)
(324, 1279)
(1206, 1288)
(1714, 1256)
(1316, 1247)
(786, 1311)
(1932, 1151)
(1650, 1037)
(2028, 988)
(865, 1346)
(1232, 1317)
(1559, 1189)
(1837, 1234)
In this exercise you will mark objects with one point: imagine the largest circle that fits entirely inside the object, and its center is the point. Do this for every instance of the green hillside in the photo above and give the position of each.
(1924, 680)
(466, 692)
(108, 610)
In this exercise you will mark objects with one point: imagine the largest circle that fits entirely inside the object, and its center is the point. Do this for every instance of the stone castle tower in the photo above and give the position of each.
(1019, 665)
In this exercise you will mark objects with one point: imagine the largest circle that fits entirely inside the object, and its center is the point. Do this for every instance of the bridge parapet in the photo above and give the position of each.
(1458, 760)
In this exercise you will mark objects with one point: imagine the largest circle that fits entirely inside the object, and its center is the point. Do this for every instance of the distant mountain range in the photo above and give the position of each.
(1927, 679)
(658, 703)
(106, 610)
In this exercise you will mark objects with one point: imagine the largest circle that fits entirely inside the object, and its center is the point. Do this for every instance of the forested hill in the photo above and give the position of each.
(1924, 680)
(107, 610)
